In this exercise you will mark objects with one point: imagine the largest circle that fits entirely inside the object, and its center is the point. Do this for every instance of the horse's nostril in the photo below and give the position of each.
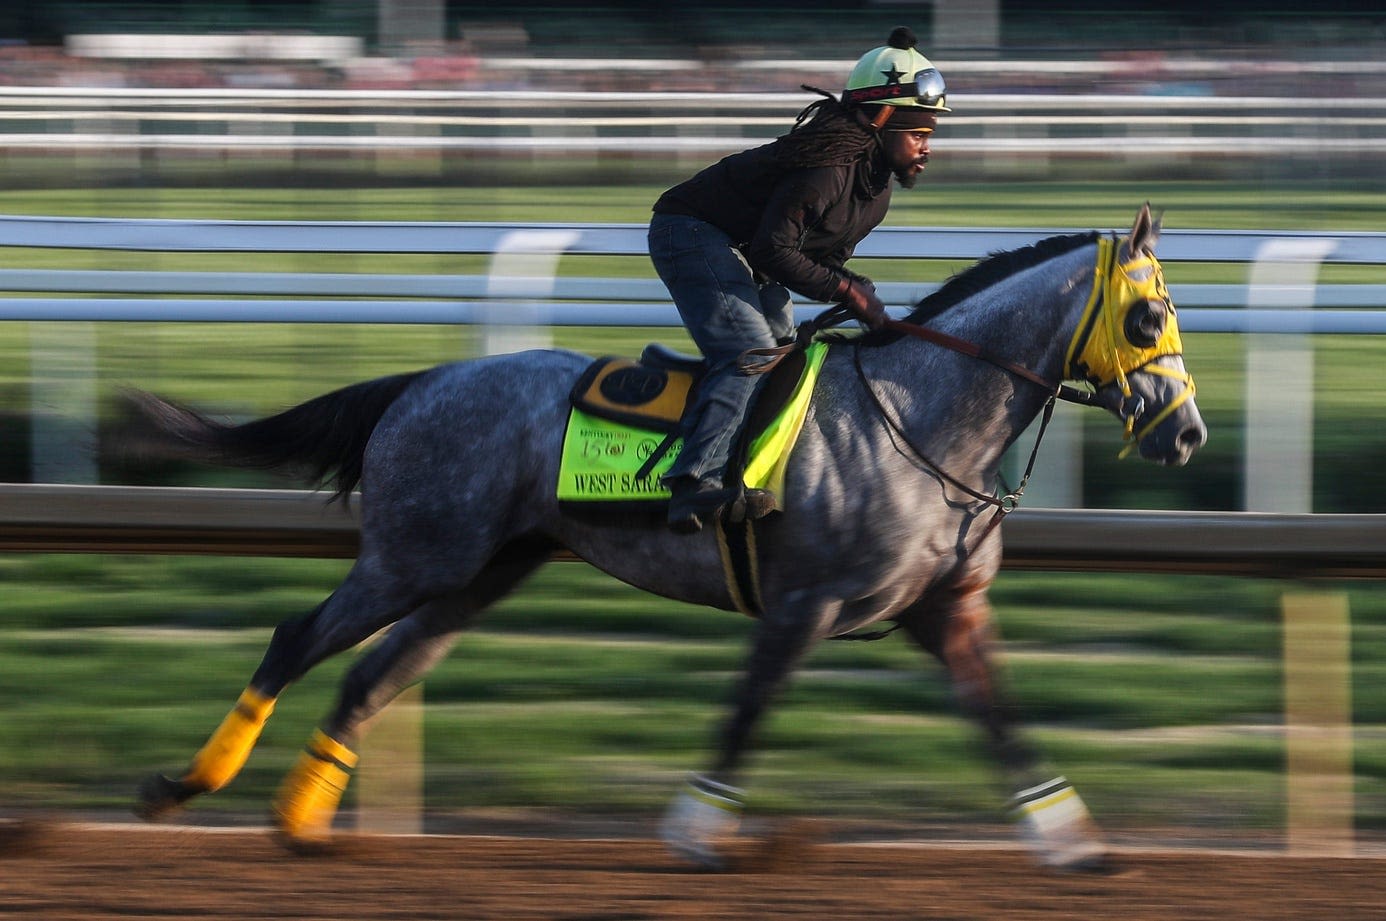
(1193, 437)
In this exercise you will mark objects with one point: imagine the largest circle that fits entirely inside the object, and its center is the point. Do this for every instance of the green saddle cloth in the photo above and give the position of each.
(603, 457)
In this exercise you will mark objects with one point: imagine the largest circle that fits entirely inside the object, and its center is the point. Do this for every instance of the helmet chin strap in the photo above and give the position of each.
(883, 116)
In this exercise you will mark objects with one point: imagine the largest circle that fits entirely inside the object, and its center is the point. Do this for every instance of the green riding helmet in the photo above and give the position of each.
(897, 75)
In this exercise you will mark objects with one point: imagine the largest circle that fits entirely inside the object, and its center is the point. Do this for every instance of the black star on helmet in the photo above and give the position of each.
(893, 76)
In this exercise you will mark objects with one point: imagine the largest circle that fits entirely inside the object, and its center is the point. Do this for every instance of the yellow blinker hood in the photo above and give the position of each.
(1100, 352)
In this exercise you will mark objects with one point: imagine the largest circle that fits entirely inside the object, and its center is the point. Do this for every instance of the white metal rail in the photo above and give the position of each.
(986, 124)
(55, 294)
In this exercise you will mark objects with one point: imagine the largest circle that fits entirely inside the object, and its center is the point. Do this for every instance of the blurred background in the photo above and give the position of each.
(1161, 696)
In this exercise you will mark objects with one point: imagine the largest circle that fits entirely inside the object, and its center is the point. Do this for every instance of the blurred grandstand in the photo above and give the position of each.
(1187, 89)
(1177, 47)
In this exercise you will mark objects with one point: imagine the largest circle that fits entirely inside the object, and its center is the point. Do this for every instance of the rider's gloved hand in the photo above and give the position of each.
(860, 298)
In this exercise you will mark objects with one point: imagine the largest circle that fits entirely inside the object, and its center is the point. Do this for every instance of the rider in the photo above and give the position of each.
(731, 241)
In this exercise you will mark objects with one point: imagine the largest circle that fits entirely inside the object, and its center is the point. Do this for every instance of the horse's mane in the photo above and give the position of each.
(984, 274)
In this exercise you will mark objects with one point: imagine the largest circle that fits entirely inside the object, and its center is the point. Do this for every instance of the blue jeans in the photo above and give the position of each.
(726, 313)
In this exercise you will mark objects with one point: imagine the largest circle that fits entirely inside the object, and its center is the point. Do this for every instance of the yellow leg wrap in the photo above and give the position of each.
(227, 750)
(308, 798)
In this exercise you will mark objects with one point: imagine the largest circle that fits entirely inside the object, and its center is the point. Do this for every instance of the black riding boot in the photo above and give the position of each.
(695, 502)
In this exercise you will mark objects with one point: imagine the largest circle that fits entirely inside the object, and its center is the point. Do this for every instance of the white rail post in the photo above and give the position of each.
(1318, 724)
(1057, 480)
(1279, 467)
(63, 402)
(390, 781)
(1278, 462)
(522, 275)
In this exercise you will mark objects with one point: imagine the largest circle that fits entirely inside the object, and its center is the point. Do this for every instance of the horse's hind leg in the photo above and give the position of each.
(307, 800)
(959, 630)
(361, 605)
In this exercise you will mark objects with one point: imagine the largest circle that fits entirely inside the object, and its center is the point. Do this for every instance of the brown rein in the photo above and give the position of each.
(1059, 389)
(758, 361)
(1004, 505)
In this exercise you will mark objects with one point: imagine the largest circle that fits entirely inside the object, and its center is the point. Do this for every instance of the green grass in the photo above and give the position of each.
(1159, 696)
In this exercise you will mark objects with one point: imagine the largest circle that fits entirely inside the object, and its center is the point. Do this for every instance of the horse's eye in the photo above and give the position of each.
(1145, 323)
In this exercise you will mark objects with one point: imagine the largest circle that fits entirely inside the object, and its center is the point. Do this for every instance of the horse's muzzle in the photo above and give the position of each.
(1176, 439)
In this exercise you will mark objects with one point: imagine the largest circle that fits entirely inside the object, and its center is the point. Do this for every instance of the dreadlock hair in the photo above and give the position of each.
(826, 133)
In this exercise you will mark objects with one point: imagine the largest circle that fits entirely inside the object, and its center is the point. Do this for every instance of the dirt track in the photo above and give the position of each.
(78, 872)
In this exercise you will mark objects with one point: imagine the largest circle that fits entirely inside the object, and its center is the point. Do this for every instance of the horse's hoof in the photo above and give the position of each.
(158, 797)
(307, 846)
(701, 821)
(1096, 865)
(1056, 824)
(699, 860)
(303, 833)
(307, 800)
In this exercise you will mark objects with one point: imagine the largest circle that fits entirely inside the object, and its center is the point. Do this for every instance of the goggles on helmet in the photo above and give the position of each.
(926, 89)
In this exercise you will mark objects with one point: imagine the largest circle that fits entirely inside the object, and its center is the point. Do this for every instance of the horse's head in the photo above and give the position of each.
(1127, 346)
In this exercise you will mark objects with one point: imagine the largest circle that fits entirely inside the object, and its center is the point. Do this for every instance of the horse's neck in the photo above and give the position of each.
(1028, 319)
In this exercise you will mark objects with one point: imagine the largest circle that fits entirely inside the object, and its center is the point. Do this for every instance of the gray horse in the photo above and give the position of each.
(889, 514)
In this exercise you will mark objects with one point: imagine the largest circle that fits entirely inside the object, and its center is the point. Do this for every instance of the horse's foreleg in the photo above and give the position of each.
(308, 798)
(1050, 814)
(705, 815)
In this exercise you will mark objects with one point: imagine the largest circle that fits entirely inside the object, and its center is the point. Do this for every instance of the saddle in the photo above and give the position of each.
(651, 392)
(623, 434)
(624, 424)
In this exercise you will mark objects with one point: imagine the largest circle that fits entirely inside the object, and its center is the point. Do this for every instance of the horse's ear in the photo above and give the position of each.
(1140, 231)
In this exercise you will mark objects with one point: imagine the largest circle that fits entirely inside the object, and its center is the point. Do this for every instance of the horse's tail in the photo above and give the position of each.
(324, 437)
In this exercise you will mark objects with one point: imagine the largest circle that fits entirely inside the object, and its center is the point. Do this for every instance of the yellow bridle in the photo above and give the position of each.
(1100, 351)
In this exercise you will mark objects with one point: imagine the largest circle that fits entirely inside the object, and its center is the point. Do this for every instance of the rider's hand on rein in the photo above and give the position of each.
(862, 300)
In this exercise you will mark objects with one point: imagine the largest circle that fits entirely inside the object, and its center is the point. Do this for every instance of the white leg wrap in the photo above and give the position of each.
(701, 820)
(1057, 826)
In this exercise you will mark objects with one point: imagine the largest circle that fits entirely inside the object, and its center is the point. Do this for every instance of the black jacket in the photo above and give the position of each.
(795, 225)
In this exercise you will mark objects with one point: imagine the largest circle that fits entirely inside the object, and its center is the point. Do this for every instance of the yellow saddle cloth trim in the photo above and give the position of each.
(602, 457)
(770, 450)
